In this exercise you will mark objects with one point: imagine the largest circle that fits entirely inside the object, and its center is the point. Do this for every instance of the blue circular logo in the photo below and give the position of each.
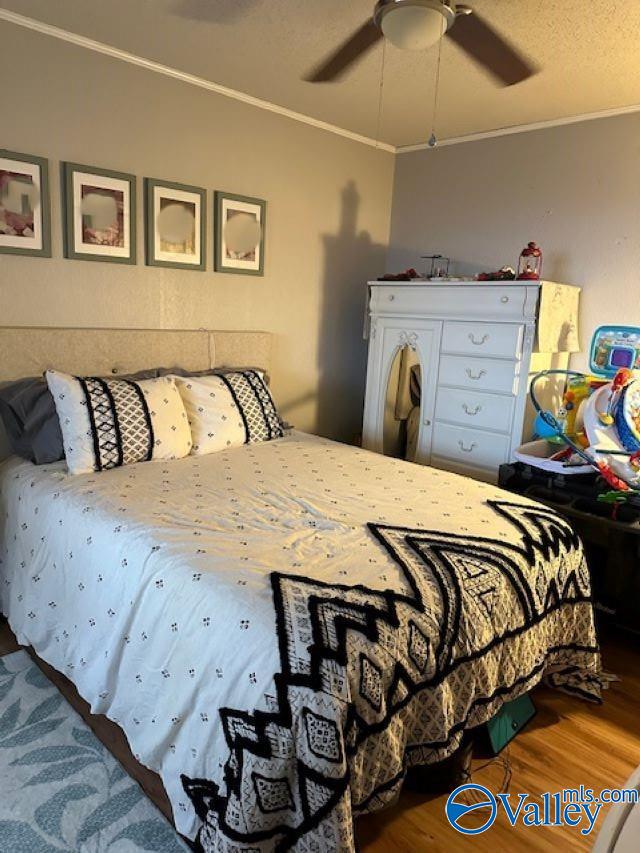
(456, 808)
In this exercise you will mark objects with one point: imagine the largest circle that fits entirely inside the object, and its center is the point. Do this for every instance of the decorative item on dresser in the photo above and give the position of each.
(470, 348)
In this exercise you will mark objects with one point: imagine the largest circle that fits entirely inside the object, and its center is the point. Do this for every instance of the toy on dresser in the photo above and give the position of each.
(598, 424)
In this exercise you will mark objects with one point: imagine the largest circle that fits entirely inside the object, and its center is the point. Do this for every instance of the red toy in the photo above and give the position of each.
(614, 481)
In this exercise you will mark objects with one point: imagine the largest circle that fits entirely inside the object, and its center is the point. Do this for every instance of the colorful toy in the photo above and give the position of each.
(613, 347)
(620, 381)
(599, 420)
(542, 426)
(579, 388)
(627, 414)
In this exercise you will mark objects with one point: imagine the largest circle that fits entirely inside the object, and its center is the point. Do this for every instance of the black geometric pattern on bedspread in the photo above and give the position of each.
(352, 658)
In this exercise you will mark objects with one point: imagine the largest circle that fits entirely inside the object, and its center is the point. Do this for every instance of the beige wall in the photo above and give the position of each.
(574, 189)
(328, 217)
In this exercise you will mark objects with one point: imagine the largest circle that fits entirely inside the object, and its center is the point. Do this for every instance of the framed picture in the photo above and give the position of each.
(239, 235)
(25, 212)
(99, 214)
(175, 225)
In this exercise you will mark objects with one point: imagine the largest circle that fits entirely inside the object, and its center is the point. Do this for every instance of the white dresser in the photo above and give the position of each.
(476, 345)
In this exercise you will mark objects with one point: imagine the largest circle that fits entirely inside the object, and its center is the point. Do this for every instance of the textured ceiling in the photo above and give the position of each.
(587, 49)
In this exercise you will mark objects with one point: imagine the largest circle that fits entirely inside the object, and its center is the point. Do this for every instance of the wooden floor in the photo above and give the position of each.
(569, 743)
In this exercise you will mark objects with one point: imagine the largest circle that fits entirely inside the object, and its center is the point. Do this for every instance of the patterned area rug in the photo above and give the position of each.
(60, 789)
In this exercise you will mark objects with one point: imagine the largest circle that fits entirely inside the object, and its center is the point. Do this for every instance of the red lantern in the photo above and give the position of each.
(530, 263)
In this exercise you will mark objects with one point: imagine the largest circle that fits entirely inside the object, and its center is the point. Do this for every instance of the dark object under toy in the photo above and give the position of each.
(608, 527)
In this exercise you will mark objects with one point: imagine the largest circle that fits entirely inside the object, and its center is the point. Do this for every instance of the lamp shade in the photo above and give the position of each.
(414, 26)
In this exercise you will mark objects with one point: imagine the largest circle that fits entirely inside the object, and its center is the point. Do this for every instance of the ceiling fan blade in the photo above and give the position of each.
(478, 39)
(349, 52)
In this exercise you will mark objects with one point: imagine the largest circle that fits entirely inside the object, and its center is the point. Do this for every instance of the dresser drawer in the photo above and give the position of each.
(506, 302)
(494, 339)
(475, 409)
(480, 374)
(470, 446)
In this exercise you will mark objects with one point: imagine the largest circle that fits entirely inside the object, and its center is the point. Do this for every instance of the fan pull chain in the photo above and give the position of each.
(379, 122)
(433, 139)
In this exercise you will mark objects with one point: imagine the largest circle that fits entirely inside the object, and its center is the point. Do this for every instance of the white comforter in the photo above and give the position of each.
(152, 588)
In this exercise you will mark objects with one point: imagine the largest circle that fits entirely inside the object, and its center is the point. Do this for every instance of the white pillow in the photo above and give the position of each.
(213, 416)
(106, 423)
(227, 410)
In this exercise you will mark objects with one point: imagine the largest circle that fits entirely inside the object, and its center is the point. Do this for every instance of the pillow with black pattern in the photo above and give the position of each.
(107, 423)
(30, 419)
(228, 410)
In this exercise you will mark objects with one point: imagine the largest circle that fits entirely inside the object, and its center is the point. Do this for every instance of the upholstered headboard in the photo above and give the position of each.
(30, 350)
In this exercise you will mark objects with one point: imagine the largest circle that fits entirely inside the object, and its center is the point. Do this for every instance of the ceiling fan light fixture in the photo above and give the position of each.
(413, 24)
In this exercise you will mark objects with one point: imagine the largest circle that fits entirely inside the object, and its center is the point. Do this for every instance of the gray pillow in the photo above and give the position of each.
(211, 371)
(29, 416)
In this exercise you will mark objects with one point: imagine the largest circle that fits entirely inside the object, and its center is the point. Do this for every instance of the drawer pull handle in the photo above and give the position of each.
(477, 375)
(479, 343)
(391, 297)
(473, 411)
(504, 299)
(466, 449)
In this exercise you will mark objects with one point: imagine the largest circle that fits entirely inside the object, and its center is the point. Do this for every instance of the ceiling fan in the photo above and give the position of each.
(419, 24)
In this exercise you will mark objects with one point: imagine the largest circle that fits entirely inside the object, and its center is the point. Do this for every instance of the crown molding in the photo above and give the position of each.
(184, 77)
(521, 128)
(259, 103)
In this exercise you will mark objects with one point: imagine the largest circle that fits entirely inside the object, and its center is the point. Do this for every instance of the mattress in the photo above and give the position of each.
(281, 629)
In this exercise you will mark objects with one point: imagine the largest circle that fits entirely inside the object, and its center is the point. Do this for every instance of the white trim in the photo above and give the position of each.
(184, 77)
(522, 128)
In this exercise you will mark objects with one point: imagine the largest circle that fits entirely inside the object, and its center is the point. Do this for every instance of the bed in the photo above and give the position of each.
(282, 629)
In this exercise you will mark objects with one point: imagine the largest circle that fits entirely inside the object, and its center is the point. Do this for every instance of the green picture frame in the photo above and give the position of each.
(108, 184)
(40, 245)
(154, 255)
(224, 203)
